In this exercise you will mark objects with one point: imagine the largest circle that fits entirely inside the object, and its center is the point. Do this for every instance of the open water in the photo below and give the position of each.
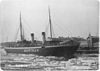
(31, 62)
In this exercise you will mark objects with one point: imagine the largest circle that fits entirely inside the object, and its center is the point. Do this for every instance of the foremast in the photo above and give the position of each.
(50, 23)
(21, 30)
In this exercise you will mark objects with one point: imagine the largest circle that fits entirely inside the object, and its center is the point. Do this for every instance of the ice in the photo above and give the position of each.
(50, 63)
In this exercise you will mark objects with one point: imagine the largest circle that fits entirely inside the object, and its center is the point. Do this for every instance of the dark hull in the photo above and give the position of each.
(59, 51)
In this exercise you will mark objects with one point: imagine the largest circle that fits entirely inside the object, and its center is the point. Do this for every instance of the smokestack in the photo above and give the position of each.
(44, 37)
(32, 37)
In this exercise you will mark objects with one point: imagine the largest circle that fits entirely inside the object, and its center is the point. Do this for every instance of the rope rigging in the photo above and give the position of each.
(16, 34)
(52, 34)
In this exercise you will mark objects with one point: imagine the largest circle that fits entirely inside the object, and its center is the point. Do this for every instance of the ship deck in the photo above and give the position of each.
(37, 47)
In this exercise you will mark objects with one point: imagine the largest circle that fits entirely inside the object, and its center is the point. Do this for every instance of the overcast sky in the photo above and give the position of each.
(69, 17)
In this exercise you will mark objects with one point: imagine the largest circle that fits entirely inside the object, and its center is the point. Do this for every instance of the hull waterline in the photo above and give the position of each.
(59, 51)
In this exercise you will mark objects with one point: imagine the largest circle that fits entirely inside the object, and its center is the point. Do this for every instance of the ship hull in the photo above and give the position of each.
(59, 51)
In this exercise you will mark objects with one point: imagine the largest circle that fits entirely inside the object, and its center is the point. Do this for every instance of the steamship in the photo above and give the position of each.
(51, 47)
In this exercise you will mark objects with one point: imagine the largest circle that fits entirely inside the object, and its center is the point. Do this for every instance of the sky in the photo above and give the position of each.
(71, 18)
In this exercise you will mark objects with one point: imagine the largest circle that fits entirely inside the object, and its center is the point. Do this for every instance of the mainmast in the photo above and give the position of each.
(50, 22)
(21, 30)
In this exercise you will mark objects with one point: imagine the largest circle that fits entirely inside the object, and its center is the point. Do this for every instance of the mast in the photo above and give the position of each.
(21, 29)
(50, 23)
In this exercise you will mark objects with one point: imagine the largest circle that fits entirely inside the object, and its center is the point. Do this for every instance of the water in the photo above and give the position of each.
(31, 62)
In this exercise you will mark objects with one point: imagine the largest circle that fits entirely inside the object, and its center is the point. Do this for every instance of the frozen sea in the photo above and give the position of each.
(31, 62)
